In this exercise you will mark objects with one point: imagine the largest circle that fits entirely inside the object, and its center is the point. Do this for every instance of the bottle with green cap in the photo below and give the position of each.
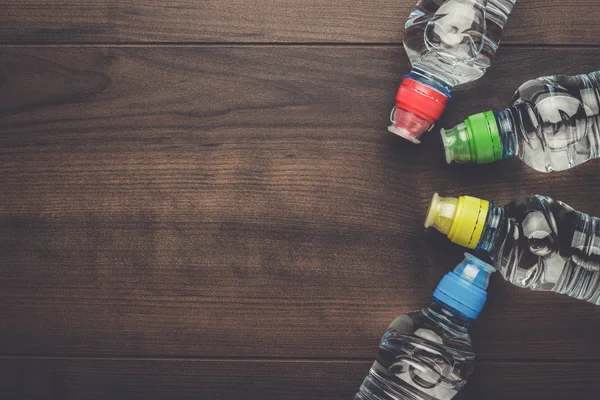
(534, 242)
(427, 354)
(553, 125)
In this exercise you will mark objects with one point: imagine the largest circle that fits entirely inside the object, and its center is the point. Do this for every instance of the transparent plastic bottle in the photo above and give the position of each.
(553, 125)
(449, 43)
(427, 354)
(534, 242)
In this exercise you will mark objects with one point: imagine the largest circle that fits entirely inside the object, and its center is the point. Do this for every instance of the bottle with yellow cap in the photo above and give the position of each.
(534, 242)
(553, 125)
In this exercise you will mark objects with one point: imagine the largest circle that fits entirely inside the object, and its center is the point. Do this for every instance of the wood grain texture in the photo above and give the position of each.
(284, 21)
(88, 379)
(247, 202)
(227, 218)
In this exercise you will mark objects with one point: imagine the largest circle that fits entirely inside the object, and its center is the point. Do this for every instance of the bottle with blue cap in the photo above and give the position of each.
(427, 354)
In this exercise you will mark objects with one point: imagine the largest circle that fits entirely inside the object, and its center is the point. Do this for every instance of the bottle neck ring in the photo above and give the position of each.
(444, 314)
(491, 230)
(507, 131)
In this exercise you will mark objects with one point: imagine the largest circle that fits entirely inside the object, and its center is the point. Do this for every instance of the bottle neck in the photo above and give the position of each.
(507, 129)
(430, 80)
(493, 222)
(447, 317)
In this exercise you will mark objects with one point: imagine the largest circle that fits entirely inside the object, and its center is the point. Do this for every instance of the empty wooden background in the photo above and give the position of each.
(199, 199)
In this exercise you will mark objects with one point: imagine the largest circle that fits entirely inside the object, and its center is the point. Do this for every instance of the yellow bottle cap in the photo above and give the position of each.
(461, 219)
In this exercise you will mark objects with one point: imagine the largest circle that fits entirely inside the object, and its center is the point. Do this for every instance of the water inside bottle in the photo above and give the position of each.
(558, 121)
(425, 355)
(546, 245)
(455, 40)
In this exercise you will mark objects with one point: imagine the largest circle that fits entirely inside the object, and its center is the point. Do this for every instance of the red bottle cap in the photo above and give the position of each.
(418, 108)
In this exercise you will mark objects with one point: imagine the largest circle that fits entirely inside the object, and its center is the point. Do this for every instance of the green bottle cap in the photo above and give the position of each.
(475, 140)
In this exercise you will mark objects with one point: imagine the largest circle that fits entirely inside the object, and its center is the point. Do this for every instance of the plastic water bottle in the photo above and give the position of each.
(427, 354)
(553, 125)
(449, 43)
(534, 242)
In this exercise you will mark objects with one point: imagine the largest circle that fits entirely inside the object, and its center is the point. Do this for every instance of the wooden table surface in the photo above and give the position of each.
(199, 199)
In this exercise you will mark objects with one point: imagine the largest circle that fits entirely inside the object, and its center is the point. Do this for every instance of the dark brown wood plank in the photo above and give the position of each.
(214, 379)
(509, 381)
(247, 201)
(377, 21)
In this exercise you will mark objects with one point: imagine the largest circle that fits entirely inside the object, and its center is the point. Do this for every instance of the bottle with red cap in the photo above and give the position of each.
(449, 43)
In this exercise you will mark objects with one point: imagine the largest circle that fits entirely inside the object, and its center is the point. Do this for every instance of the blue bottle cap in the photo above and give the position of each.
(464, 288)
